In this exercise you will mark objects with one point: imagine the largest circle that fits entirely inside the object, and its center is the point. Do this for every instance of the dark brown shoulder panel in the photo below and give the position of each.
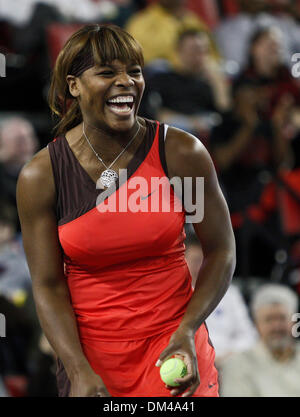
(76, 192)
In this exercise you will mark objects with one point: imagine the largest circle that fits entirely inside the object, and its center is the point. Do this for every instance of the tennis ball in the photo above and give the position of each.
(171, 369)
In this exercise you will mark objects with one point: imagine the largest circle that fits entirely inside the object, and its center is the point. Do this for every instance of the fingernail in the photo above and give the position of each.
(158, 363)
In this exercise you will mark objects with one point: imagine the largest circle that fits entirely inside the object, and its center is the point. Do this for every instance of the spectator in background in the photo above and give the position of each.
(229, 325)
(18, 143)
(233, 35)
(15, 280)
(266, 66)
(27, 39)
(18, 348)
(27, 63)
(182, 97)
(272, 367)
(284, 14)
(243, 147)
(253, 141)
(158, 26)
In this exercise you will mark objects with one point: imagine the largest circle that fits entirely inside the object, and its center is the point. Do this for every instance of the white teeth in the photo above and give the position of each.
(124, 109)
(121, 99)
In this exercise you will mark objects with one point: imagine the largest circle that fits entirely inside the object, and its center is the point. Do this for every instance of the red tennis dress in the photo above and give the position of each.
(126, 271)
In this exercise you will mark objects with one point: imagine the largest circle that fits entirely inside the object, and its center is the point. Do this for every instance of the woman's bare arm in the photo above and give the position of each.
(187, 157)
(36, 197)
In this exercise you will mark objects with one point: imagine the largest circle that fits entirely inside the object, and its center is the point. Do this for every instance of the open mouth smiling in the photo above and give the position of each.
(121, 104)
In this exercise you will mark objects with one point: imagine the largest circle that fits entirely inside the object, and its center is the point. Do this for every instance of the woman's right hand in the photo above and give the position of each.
(88, 384)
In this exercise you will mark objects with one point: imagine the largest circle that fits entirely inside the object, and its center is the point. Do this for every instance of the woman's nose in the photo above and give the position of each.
(124, 80)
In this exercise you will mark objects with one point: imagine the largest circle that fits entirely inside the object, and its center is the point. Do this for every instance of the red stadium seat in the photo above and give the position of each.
(206, 9)
(231, 7)
(57, 35)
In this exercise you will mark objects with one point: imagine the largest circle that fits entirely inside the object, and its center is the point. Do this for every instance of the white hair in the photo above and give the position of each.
(274, 294)
(13, 120)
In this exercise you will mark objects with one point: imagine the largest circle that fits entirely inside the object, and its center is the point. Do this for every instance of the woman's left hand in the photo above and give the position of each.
(182, 345)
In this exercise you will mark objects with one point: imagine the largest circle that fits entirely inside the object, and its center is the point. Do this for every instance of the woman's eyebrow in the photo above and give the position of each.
(114, 66)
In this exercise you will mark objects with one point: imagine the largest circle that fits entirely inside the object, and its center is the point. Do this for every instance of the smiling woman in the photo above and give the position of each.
(96, 49)
(112, 288)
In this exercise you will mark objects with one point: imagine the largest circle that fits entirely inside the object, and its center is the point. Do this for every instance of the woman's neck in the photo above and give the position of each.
(108, 144)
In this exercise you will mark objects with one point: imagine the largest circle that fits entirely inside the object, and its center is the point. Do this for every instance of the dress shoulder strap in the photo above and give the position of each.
(75, 194)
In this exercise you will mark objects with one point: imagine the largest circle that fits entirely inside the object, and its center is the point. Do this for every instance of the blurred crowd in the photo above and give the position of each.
(223, 71)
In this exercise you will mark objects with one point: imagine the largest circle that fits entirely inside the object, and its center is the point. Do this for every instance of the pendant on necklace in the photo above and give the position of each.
(108, 177)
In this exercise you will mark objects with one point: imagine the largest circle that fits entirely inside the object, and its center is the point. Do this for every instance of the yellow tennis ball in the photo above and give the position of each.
(172, 369)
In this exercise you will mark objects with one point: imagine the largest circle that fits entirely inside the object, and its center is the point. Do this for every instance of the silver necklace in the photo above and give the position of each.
(109, 176)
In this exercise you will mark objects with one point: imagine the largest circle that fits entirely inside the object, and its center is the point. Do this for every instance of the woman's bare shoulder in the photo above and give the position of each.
(38, 168)
(36, 178)
(185, 153)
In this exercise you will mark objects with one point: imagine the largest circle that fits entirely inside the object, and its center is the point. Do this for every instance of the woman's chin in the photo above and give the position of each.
(122, 123)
